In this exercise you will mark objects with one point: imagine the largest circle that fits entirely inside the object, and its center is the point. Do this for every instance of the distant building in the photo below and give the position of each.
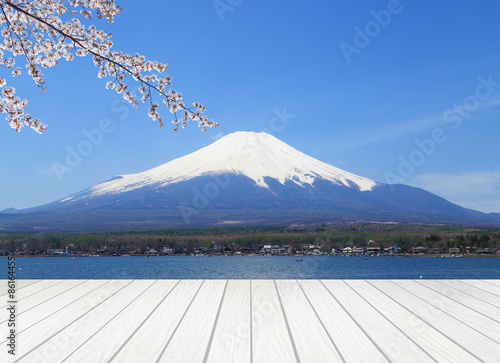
(373, 250)
(435, 251)
(270, 249)
(55, 251)
(419, 250)
(347, 250)
(485, 251)
(358, 250)
(167, 251)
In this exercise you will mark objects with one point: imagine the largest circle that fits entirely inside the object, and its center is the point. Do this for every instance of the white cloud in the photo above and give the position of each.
(403, 128)
(479, 190)
(392, 131)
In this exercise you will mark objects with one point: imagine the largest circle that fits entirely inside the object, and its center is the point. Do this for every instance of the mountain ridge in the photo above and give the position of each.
(242, 177)
(256, 155)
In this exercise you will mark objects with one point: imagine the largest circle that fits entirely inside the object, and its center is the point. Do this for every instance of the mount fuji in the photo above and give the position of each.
(243, 178)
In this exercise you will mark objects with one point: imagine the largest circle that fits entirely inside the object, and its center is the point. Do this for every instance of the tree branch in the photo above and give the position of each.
(95, 54)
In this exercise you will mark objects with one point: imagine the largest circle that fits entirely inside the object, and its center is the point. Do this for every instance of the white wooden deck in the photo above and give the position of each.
(254, 321)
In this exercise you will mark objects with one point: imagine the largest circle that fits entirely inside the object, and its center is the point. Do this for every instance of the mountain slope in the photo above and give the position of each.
(245, 177)
(254, 155)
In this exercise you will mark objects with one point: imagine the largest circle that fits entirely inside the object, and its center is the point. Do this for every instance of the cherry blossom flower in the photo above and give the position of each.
(35, 31)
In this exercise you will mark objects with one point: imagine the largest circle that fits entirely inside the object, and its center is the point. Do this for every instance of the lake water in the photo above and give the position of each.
(255, 267)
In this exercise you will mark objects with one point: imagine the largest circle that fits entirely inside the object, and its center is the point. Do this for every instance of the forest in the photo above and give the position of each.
(251, 239)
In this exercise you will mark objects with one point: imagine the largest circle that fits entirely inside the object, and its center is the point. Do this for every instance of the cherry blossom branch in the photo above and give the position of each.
(97, 55)
(61, 37)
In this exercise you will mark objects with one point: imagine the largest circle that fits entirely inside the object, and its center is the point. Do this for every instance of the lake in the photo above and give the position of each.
(256, 267)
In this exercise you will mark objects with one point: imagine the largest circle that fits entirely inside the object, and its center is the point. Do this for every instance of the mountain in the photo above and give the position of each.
(8, 210)
(244, 178)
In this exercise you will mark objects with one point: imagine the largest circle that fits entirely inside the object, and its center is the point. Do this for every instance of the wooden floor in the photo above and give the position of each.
(254, 321)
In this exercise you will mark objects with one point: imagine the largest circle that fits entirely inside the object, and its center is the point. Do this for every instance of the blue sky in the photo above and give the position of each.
(396, 91)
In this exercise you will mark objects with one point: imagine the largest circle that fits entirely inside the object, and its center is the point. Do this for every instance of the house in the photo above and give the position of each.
(435, 251)
(485, 251)
(167, 251)
(358, 250)
(373, 250)
(419, 250)
(346, 250)
(270, 249)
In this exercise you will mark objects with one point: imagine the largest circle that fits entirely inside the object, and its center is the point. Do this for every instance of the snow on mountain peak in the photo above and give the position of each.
(255, 155)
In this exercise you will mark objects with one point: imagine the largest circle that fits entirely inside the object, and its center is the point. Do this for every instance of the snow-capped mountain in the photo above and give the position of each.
(245, 178)
(255, 155)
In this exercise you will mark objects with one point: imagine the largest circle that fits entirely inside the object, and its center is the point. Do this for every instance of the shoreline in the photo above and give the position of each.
(295, 256)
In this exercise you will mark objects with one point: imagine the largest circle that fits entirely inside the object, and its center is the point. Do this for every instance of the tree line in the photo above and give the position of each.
(238, 238)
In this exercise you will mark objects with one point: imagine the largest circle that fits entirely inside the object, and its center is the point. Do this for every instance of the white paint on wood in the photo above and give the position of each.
(256, 321)
(312, 341)
(20, 285)
(190, 341)
(23, 292)
(52, 308)
(489, 327)
(392, 341)
(148, 342)
(271, 341)
(123, 326)
(232, 336)
(465, 298)
(46, 296)
(487, 285)
(47, 340)
(351, 340)
(494, 282)
(478, 293)
(450, 325)
(436, 344)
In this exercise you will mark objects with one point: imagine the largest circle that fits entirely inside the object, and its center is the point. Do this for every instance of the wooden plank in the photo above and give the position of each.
(36, 287)
(196, 326)
(102, 346)
(32, 338)
(61, 345)
(389, 339)
(474, 291)
(481, 323)
(494, 282)
(51, 307)
(232, 338)
(20, 284)
(311, 339)
(24, 291)
(464, 297)
(469, 339)
(25, 283)
(340, 326)
(258, 320)
(489, 286)
(148, 342)
(50, 293)
(437, 345)
(270, 338)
